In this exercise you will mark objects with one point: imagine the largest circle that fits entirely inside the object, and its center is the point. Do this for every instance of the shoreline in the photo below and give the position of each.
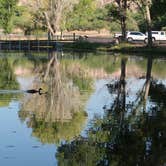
(118, 48)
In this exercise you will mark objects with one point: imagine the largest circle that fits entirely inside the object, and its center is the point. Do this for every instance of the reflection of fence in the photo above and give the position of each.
(27, 45)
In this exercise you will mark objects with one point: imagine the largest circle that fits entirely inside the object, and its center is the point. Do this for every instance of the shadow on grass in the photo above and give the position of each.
(112, 47)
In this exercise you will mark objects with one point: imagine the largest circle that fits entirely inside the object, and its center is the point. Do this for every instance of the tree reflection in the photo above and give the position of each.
(57, 115)
(148, 77)
(129, 134)
(7, 81)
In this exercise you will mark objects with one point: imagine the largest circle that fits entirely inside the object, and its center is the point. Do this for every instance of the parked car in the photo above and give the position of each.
(136, 36)
(117, 35)
(158, 35)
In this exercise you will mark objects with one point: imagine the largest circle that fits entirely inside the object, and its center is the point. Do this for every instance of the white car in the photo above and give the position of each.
(136, 36)
(117, 35)
(158, 35)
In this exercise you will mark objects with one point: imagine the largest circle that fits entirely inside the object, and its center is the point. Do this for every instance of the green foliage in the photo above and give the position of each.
(85, 16)
(29, 21)
(24, 19)
(115, 27)
(158, 14)
(140, 21)
(114, 16)
(7, 12)
(113, 13)
(132, 23)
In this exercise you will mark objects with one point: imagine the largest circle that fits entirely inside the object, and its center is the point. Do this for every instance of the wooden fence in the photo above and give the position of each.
(33, 42)
(17, 37)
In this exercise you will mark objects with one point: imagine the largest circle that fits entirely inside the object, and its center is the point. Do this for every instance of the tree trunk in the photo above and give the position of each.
(53, 16)
(123, 18)
(122, 4)
(149, 24)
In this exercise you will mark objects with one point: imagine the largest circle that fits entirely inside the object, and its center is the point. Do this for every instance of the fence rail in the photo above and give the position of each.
(33, 42)
(28, 45)
(41, 42)
(13, 37)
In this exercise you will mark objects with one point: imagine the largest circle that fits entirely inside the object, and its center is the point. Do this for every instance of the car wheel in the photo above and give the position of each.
(146, 40)
(129, 39)
(153, 39)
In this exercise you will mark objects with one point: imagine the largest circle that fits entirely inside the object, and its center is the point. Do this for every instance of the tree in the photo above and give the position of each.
(86, 16)
(118, 11)
(149, 22)
(53, 12)
(24, 19)
(145, 6)
(158, 14)
(7, 11)
(122, 4)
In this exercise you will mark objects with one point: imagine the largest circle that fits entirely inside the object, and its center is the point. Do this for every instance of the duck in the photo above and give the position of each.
(35, 91)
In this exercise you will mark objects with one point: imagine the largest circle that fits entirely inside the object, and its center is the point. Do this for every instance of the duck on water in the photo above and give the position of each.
(32, 91)
(36, 91)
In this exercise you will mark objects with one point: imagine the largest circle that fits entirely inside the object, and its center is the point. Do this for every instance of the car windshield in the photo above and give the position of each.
(136, 33)
(155, 33)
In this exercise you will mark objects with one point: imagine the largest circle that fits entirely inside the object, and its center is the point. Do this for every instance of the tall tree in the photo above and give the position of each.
(122, 4)
(145, 6)
(53, 12)
(118, 11)
(158, 13)
(149, 22)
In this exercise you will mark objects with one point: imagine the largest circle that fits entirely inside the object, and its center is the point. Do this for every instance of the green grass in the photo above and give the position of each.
(126, 47)
(86, 46)
(121, 48)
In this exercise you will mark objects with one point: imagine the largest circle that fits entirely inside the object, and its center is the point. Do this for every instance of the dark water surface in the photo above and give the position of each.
(99, 109)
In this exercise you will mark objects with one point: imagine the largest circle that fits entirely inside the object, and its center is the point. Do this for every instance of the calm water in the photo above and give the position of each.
(98, 109)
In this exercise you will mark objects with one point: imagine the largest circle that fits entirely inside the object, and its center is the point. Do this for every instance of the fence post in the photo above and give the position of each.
(74, 36)
(61, 35)
(19, 44)
(38, 44)
(48, 44)
(29, 44)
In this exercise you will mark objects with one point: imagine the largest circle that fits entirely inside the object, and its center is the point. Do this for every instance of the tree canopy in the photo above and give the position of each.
(7, 12)
(58, 15)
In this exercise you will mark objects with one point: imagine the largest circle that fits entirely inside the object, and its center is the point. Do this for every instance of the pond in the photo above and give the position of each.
(93, 109)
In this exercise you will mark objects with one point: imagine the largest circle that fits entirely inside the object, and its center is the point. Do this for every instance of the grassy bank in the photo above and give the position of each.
(138, 48)
(121, 48)
(86, 46)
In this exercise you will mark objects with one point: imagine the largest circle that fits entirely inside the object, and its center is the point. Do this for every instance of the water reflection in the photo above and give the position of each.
(131, 133)
(130, 96)
(58, 114)
(7, 81)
